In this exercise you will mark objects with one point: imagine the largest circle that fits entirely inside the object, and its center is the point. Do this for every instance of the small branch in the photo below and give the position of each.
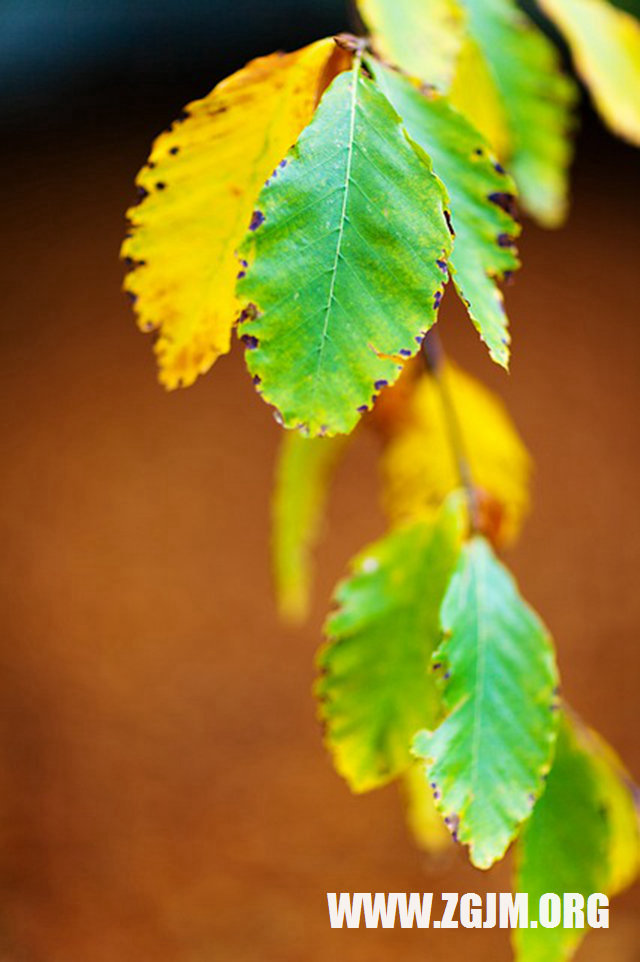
(434, 356)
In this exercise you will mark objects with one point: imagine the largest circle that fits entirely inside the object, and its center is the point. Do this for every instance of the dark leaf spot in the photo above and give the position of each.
(256, 220)
(504, 200)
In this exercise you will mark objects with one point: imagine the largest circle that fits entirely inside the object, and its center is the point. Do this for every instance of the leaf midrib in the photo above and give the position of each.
(343, 216)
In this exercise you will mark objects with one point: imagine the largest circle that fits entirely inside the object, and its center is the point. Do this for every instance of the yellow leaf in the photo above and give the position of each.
(474, 93)
(412, 35)
(423, 818)
(605, 43)
(303, 474)
(419, 467)
(199, 188)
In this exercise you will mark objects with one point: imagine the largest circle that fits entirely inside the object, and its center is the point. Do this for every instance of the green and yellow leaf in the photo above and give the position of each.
(343, 281)
(412, 34)
(537, 99)
(563, 848)
(303, 474)
(473, 93)
(419, 469)
(487, 759)
(376, 688)
(481, 196)
(506, 80)
(618, 795)
(605, 43)
(199, 190)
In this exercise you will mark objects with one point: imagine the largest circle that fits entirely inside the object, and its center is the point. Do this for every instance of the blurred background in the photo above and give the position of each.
(164, 793)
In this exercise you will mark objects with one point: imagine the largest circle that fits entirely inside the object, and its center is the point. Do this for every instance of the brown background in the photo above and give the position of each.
(164, 792)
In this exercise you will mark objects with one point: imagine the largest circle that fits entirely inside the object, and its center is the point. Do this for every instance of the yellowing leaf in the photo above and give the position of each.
(605, 43)
(423, 818)
(198, 191)
(536, 100)
(410, 34)
(617, 794)
(303, 474)
(502, 72)
(474, 93)
(418, 465)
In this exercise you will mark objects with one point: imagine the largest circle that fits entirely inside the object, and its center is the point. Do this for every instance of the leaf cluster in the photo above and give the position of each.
(319, 203)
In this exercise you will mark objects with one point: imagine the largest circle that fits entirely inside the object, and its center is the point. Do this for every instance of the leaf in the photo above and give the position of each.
(481, 196)
(536, 98)
(605, 43)
(507, 82)
(410, 33)
(303, 474)
(473, 92)
(563, 848)
(424, 821)
(344, 269)
(488, 757)
(198, 191)
(618, 795)
(418, 466)
(376, 689)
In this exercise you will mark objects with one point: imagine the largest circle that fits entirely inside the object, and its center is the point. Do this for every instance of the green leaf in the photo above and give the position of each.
(537, 99)
(411, 33)
(563, 848)
(488, 757)
(303, 474)
(377, 687)
(344, 269)
(481, 196)
(605, 44)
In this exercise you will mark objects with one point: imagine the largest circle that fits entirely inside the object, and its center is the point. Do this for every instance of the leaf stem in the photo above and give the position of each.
(434, 356)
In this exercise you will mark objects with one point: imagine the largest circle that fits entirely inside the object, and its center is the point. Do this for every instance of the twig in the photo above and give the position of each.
(434, 356)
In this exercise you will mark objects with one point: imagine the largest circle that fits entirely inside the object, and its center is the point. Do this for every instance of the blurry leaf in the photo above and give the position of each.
(411, 33)
(376, 688)
(419, 468)
(199, 189)
(605, 43)
(474, 93)
(509, 85)
(336, 319)
(562, 848)
(423, 818)
(488, 758)
(536, 99)
(618, 796)
(303, 474)
(481, 196)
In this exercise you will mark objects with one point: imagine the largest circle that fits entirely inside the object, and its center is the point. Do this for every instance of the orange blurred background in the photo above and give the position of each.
(164, 792)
